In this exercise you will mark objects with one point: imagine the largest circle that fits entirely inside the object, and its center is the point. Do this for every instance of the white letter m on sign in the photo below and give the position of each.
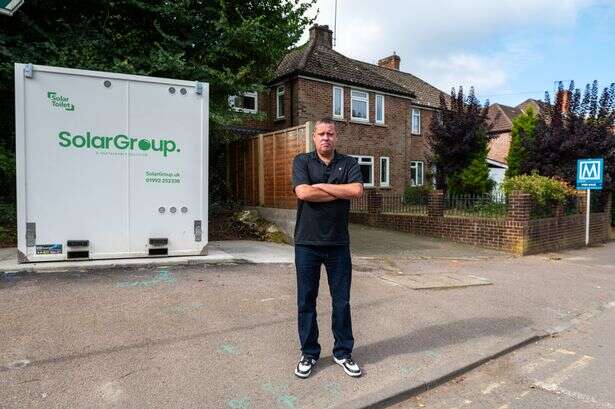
(590, 170)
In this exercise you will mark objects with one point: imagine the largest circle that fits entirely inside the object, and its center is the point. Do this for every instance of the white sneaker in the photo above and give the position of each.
(304, 366)
(350, 367)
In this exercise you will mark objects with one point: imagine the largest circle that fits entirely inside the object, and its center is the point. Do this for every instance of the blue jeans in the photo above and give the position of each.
(336, 259)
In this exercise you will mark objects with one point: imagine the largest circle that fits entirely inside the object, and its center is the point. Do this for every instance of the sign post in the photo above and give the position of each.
(8, 7)
(590, 176)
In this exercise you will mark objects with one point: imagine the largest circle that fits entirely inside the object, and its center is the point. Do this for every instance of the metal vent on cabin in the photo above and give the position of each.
(158, 241)
(78, 243)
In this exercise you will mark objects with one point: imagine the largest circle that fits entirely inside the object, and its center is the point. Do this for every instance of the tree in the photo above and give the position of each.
(458, 140)
(474, 179)
(234, 46)
(522, 128)
(575, 126)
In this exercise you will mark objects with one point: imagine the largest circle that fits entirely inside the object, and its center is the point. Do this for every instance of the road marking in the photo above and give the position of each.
(389, 282)
(565, 374)
(111, 392)
(566, 352)
(282, 297)
(491, 387)
(334, 389)
(181, 308)
(533, 366)
(576, 395)
(22, 363)
(242, 403)
(522, 395)
(229, 349)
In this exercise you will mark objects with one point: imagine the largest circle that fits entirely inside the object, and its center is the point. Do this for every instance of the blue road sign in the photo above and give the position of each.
(8, 7)
(590, 174)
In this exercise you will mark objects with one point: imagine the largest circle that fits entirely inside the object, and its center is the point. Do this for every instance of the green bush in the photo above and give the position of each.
(8, 214)
(542, 189)
(546, 192)
(417, 194)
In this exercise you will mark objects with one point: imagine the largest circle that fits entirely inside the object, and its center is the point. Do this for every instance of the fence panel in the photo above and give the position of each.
(488, 205)
(398, 203)
(359, 205)
(260, 167)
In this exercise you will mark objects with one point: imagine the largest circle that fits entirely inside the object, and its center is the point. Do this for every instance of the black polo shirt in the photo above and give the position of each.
(323, 223)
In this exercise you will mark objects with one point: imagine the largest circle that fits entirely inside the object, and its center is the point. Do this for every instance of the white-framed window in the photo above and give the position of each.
(379, 109)
(338, 102)
(440, 117)
(416, 173)
(359, 105)
(366, 164)
(384, 171)
(246, 102)
(416, 121)
(279, 101)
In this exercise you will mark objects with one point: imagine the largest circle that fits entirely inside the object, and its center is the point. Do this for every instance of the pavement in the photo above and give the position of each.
(574, 370)
(237, 251)
(224, 335)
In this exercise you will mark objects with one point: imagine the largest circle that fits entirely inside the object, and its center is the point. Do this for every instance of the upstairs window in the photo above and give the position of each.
(379, 109)
(338, 102)
(359, 106)
(246, 102)
(416, 121)
(279, 98)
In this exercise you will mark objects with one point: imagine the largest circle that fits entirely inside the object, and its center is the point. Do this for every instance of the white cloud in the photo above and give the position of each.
(463, 70)
(449, 43)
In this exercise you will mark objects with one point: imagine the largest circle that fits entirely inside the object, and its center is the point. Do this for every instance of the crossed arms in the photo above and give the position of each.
(326, 192)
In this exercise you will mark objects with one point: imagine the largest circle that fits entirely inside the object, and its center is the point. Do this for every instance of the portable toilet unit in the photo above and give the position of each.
(109, 165)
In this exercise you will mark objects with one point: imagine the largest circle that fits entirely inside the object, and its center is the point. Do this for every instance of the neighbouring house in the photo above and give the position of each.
(500, 117)
(382, 113)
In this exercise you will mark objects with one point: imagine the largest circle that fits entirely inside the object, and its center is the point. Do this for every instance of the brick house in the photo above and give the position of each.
(500, 118)
(382, 113)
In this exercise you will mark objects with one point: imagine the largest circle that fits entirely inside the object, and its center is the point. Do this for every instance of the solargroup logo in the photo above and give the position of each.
(121, 142)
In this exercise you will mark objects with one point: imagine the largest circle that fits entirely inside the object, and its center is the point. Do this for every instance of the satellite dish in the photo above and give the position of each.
(9, 7)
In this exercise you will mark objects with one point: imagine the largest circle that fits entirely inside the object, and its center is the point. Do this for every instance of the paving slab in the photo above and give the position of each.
(435, 281)
(219, 252)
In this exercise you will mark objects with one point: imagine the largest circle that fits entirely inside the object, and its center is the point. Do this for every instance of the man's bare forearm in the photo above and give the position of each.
(344, 191)
(313, 194)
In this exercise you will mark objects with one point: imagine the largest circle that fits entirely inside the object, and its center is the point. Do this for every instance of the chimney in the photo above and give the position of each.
(321, 35)
(565, 101)
(563, 97)
(391, 62)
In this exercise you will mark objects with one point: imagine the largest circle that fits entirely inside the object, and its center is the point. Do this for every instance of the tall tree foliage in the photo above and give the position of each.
(458, 140)
(575, 126)
(232, 45)
(522, 132)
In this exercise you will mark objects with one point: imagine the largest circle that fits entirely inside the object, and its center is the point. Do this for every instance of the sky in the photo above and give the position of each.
(509, 50)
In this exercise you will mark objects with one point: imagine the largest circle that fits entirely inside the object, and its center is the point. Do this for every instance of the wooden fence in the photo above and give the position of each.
(259, 168)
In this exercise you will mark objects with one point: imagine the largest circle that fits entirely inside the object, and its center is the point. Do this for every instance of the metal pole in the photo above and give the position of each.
(335, 24)
(587, 217)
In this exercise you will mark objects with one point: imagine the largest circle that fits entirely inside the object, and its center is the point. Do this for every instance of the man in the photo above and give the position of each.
(324, 181)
